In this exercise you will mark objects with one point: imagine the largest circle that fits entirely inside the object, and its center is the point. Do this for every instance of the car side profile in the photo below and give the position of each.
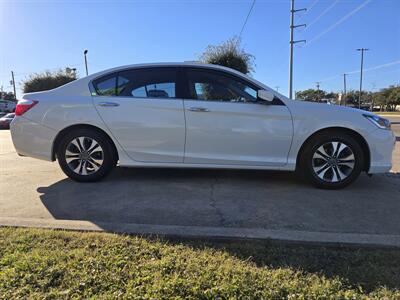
(196, 116)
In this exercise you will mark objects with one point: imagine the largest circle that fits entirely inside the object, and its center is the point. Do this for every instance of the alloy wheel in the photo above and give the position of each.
(84, 155)
(333, 161)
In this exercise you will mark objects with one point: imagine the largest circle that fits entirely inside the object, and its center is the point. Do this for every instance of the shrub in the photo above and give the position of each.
(229, 54)
(47, 80)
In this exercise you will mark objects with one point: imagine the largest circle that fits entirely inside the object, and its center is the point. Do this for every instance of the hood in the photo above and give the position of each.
(322, 115)
(332, 108)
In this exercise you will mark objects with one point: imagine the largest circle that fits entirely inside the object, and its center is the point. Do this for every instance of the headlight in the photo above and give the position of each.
(378, 121)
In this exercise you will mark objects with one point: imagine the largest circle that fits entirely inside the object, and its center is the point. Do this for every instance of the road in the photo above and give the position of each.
(225, 202)
(395, 119)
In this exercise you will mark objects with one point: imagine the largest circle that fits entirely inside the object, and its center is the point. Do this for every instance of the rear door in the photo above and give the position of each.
(141, 109)
(226, 124)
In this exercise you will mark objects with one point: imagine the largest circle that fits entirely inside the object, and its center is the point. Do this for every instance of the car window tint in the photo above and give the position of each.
(121, 84)
(148, 83)
(215, 86)
(106, 86)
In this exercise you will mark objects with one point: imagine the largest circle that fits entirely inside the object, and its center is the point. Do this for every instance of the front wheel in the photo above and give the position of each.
(332, 160)
(85, 155)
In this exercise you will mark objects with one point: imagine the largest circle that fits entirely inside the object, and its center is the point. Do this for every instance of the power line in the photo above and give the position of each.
(308, 9)
(385, 65)
(247, 18)
(322, 14)
(396, 62)
(340, 21)
(312, 5)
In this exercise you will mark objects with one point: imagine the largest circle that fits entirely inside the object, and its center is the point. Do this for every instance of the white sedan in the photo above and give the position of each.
(196, 116)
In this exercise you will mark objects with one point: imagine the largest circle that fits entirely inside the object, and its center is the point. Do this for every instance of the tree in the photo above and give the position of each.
(379, 98)
(311, 95)
(387, 98)
(7, 96)
(47, 80)
(352, 97)
(229, 54)
(393, 97)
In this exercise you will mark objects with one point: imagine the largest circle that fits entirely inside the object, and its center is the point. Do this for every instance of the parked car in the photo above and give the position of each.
(196, 116)
(2, 113)
(7, 106)
(6, 120)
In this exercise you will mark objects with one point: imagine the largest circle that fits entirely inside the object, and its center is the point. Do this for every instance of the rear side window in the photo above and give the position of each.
(139, 83)
(147, 83)
(106, 86)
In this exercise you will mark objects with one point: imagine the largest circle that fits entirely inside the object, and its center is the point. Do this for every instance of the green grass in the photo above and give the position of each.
(37, 263)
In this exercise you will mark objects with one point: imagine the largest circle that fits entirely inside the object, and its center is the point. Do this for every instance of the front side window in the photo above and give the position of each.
(148, 83)
(215, 86)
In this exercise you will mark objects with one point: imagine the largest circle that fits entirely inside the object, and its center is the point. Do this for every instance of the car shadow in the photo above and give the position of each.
(151, 196)
(227, 198)
(232, 198)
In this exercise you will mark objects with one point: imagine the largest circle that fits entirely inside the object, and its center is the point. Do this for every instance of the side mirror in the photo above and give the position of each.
(265, 95)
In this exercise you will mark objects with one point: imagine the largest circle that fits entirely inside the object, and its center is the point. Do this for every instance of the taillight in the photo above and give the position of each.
(24, 105)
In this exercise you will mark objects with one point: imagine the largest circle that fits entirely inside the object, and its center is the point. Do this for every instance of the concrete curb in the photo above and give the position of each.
(359, 239)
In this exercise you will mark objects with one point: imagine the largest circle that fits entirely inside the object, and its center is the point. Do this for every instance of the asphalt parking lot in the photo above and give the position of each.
(258, 204)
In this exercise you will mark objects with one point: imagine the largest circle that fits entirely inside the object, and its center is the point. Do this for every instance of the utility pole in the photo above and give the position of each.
(84, 53)
(292, 42)
(318, 83)
(361, 74)
(277, 88)
(13, 82)
(344, 89)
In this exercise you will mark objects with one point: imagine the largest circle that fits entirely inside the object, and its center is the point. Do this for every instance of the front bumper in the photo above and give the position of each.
(32, 139)
(381, 143)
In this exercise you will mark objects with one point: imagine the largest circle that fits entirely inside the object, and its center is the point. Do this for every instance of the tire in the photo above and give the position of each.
(86, 155)
(332, 160)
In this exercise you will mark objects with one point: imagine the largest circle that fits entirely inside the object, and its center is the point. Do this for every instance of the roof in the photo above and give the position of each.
(169, 64)
(177, 64)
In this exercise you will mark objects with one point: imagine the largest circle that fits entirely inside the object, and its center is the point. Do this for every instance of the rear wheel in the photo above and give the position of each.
(332, 160)
(86, 155)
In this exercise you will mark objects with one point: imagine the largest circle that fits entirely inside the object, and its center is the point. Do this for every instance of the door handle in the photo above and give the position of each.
(108, 104)
(198, 109)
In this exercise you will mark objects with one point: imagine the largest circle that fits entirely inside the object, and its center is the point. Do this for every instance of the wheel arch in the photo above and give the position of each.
(357, 136)
(63, 132)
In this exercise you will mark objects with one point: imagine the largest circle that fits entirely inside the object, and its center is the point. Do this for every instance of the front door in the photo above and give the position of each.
(225, 124)
(143, 113)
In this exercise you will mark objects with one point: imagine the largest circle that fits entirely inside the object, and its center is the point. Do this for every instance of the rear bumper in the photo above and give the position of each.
(32, 139)
(381, 143)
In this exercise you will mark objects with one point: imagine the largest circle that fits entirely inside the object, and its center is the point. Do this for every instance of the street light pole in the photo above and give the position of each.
(13, 82)
(318, 83)
(344, 89)
(292, 26)
(84, 53)
(361, 74)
